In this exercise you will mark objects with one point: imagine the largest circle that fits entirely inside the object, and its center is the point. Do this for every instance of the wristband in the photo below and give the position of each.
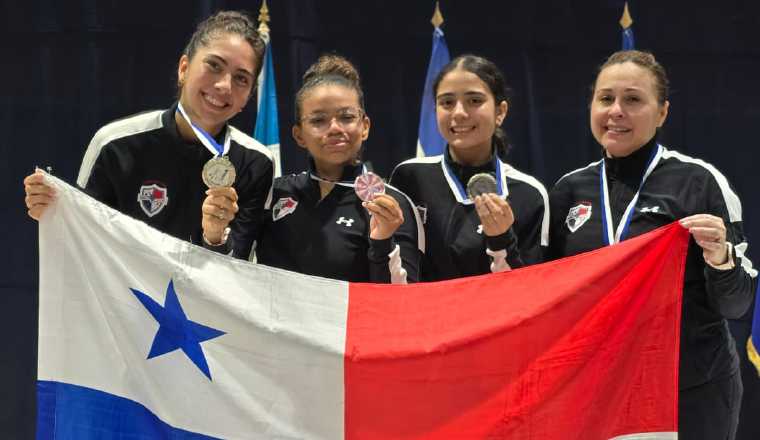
(225, 235)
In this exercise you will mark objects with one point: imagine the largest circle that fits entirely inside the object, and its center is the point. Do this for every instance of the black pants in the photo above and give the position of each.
(710, 411)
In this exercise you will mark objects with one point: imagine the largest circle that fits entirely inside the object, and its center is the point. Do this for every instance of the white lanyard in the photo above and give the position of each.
(346, 184)
(206, 139)
(614, 236)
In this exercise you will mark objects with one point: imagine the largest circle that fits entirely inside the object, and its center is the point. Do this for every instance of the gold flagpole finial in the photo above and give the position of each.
(437, 19)
(264, 18)
(625, 20)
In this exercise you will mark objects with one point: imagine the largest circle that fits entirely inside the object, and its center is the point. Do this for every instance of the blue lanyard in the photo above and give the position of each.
(615, 236)
(461, 192)
(206, 139)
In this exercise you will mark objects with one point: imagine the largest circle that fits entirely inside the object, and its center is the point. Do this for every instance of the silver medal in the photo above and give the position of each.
(480, 184)
(218, 172)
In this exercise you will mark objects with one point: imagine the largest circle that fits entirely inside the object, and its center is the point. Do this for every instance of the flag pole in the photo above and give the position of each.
(263, 20)
(626, 22)
(267, 128)
(437, 19)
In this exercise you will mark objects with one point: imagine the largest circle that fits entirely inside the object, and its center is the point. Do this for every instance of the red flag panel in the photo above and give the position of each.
(585, 347)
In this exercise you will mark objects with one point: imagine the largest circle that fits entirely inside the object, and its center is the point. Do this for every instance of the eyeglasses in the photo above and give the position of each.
(345, 118)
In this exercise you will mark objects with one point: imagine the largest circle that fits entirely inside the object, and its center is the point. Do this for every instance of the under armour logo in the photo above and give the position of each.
(480, 229)
(345, 221)
(654, 209)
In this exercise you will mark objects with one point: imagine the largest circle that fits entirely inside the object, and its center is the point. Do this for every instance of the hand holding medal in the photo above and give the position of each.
(386, 214)
(220, 205)
(495, 213)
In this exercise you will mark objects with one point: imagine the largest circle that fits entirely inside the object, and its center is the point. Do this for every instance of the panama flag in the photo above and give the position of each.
(145, 336)
(267, 129)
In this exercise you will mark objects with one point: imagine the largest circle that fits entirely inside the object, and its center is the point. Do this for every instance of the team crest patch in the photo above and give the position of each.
(283, 207)
(152, 199)
(578, 215)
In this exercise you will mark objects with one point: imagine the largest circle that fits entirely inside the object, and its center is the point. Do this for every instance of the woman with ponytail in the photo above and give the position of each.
(471, 231)
(151, 165)
(639, 185)
(315, 223)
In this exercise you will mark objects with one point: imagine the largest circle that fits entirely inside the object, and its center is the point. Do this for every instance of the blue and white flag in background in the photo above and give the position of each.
(753, 343)
(430, 142)
(267, 129)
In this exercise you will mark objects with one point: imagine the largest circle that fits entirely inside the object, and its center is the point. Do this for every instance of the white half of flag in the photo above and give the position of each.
(96, 334)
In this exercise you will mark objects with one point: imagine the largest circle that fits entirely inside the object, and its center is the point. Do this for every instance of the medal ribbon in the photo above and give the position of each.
(461, 192)
(344, 183)
(615, 236)
(206, 139)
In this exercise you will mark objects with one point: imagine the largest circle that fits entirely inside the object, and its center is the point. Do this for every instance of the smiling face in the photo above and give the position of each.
(467, 116)
(625, 110)
(217, 81)
(332, 127)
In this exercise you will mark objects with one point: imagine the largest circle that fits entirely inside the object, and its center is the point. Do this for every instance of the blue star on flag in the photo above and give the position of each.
(176, 331)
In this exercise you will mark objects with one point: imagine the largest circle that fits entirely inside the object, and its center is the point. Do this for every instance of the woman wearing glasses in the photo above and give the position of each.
(315, 222)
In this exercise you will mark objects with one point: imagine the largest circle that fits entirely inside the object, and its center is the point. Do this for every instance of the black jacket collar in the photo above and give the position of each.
(632, 167)
(464, 172)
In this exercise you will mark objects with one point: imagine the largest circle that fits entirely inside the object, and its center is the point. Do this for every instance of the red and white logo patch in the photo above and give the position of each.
(283, 207)
(152, 198)
(578, 215)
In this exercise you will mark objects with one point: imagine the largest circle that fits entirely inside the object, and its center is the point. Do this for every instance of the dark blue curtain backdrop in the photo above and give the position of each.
(69, 67)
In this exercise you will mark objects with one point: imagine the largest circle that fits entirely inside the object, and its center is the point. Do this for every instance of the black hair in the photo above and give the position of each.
(228, 22)
(329, 69)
